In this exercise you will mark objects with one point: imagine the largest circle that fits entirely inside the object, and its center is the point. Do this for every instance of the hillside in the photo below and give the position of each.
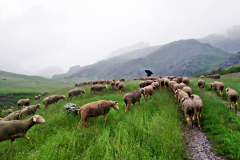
(229, 42)
(182, 58)
(117, 52)
(99, 69)
(232, 60)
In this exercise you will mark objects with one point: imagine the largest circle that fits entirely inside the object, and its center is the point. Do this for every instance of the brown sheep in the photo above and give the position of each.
(201, 83)
(232, 97)
(188, 90)
(142, 84)
(117, 83)
(199, 107)
(180, 95)
(28, 110)
(97, 88)
(149, 82)
(185, 80)
(95, 109)
(132, 98)
(155, 86)
(122, 80)
(75, 85)
(171, 83)
(36, 97)
(23, 102)
(166, 81)
(18, 129)
(121, 87)
(112, 83)
(181, 85)
(52, 99)
(160, 81)
(189, 110)
(11, 116)
(39, 96)
(45, 93)
(217, 86)
(175, 87)
(146, 91)
(75, 92)
(9, 111)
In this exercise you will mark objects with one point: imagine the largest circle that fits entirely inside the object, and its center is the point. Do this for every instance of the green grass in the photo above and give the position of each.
(219, 122)
(152, 131)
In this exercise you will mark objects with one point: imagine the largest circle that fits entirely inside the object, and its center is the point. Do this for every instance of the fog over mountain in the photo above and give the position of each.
(40, 34)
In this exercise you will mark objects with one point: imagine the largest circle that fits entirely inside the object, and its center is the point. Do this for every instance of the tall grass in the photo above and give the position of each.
(152, 131)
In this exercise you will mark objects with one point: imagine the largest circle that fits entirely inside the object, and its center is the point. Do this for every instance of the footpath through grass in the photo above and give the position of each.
(221, 124)
(152, 131)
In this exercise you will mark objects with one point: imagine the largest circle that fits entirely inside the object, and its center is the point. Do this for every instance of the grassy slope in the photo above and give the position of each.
(151, 131)
(220, 123)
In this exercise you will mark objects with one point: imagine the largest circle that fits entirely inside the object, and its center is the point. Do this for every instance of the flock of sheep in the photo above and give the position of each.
(11, 127)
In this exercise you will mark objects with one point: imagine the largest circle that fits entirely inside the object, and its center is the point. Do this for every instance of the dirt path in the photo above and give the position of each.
(198, 147)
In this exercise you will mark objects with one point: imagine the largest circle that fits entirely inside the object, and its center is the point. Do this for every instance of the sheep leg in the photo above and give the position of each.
(199, 127)
(188, 120)
(105, 117)
(236, 103)
(139, 102)
(27, 138)
(10, 146)
(221, 94)
(45, 107)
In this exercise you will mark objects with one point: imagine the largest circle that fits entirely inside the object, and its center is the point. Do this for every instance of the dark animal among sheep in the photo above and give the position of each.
(18, 129)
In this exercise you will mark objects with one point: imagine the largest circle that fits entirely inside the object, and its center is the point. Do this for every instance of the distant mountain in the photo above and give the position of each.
(232, 60)
(181, 58)
(229, 42)
(49, 72)
(131, 48)
(99, 69)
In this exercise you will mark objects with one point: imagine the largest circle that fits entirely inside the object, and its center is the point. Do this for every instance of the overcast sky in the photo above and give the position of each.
(36, 34)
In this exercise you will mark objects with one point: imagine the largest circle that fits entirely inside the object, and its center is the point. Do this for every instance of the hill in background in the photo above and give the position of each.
(229, 42)
(49, 72)
(117, 52)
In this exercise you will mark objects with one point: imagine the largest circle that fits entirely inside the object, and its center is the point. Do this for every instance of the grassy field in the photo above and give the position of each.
(221, 124)
(152, 131)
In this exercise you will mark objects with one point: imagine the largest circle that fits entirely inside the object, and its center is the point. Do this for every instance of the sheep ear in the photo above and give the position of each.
(34, 119)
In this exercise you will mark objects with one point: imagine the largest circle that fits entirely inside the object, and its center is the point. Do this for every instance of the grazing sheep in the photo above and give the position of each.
(232, 97)
(52, 99)
(132, 98)
(149, 82)
(9, 111)
(45, 93)
(95, 109)
(97, 88)
(181, 85)
(11, 116)
(199, 107)
(117, 83)
(28, 110)
(217, 86)
(189, 110)
(75, 92)
(142, 84)
(23, 102)
(94, 82)
(160, 81)
(188, 90)
(18, 129)
(166, 81)
(171, 83)
(185, 80)
(155, 86)
(202, 76)
(175, 87)
(180, 95)
(112, 83)
(201, 83)
(75, 85)
(36, 97)
(121, 87)
(122, 80)
(146, 91)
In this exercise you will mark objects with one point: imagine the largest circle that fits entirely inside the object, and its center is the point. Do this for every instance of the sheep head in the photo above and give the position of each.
(38, 119)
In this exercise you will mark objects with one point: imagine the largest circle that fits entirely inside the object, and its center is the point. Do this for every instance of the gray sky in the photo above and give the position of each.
(42, 33)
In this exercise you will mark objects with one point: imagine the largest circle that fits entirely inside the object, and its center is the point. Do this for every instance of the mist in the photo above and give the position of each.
(39, 34)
